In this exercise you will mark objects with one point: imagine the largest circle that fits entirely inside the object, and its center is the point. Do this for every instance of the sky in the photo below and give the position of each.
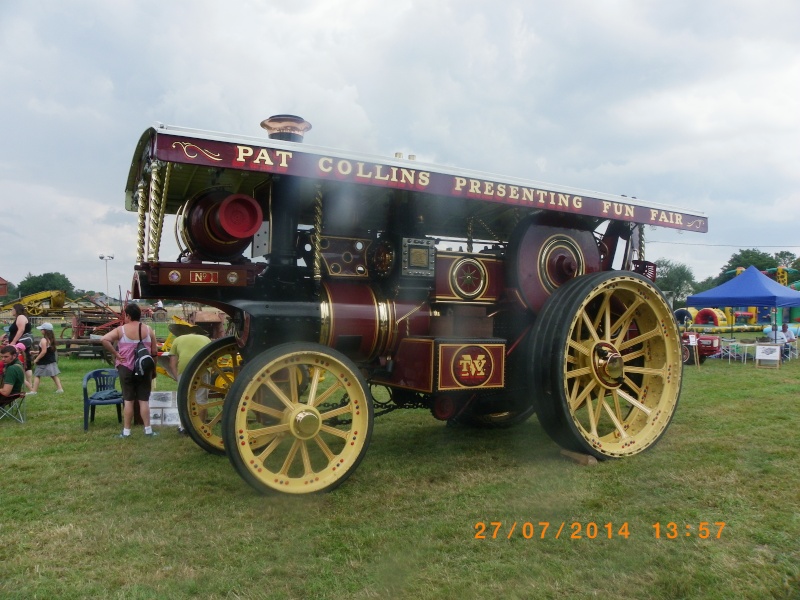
(687, 103)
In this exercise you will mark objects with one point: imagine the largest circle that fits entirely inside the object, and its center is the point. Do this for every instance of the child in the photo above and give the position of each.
(46, 362)
(21, 353)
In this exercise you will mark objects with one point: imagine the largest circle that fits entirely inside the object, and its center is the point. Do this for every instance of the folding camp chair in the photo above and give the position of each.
(106, 393)
(13, 407)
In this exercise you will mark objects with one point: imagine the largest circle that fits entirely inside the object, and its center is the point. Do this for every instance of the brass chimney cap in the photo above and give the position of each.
(286, 127)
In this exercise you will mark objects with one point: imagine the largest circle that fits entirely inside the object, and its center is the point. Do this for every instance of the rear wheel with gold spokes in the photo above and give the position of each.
(202, 389)
(298, 419)
(607, 359)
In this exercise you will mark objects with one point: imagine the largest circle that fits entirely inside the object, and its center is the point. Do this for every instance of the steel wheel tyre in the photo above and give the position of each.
(607, 358)
(298, 439)
(202, 389)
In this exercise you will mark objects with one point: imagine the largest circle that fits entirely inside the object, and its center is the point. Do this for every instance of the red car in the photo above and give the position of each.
(707, 345)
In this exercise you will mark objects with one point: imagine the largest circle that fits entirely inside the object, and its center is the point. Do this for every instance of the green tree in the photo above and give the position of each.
(674, 277)
(784, 258)
(745, 258)
(706, 284)
(47, 281)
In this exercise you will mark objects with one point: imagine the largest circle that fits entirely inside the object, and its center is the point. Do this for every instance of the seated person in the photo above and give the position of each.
(13, 373)
(789, 336)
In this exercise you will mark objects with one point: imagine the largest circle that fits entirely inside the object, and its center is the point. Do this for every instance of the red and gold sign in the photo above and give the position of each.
(203, 277)
(471, 366)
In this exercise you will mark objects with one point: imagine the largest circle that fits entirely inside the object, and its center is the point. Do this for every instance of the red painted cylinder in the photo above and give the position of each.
(362, 325)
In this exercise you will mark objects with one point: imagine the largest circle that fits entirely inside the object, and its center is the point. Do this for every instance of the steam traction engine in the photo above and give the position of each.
(356, 282)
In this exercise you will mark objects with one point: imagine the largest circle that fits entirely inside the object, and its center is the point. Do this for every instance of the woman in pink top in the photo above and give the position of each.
(134, 388)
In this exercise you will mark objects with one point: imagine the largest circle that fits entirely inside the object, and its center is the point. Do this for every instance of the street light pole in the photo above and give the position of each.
(105, 258)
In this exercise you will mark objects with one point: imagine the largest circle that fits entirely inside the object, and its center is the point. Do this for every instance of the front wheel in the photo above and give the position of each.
(607, 361)
(298, 419)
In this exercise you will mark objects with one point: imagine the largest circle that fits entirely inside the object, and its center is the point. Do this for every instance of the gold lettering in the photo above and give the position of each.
(424, 179)
(679, 219)
(460, 183)
(284, 156)
(361, 172)
(577, 202)
(488, 188)
(394, 173)
(541, 195)
(501, 190)
(378, 169)
(407, 176)
(606, 206)
(628, 211)
(563, 200)
(263, 156)
(653, 214)
(344, 167)
(325, 164)
(527, 194)
(552, 198)
(474, 186)
(244, 152)
(514, 193)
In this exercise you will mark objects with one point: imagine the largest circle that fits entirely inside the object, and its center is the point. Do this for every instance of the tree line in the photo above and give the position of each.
(678, 278)
(33, 284)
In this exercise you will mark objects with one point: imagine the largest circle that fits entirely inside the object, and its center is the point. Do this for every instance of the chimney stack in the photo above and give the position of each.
(289, 128)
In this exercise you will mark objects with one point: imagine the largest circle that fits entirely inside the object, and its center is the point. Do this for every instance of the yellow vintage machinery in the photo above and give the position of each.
(39, 303)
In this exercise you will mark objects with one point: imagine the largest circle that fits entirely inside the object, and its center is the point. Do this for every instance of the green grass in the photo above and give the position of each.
(85, 515)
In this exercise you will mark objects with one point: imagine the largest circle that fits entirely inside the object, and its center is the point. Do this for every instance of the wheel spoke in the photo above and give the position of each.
(639, 339)
(324, 447)
(587, 322)
(307, 468)
(333, 431)
(578, 400)
(633, 386)
(580, 346)
(284, 470)
(262, 432)
(335, 412)
(633, 401)
(629, 356)
(266, 410)
(313, 385)
(327, 394)
(571, 374)
(270, 448)
(590, 409)
(213, 422)
(623, 322)
(661, 372)
(612, 416)
(279, 393)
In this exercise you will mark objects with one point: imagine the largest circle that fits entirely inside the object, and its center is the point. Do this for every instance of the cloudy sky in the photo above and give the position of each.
(689, 103)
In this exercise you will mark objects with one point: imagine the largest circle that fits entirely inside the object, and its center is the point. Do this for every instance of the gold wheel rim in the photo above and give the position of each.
(207, 391)
(623, 367)
(302, 439)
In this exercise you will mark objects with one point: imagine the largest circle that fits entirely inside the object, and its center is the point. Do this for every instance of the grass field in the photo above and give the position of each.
(85, 515)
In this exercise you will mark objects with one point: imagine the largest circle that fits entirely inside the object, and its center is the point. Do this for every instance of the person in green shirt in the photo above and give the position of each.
(189, 341)
(13, 374)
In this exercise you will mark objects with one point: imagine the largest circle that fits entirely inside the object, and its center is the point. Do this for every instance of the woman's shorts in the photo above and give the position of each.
(48, 370)
(133, 388)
